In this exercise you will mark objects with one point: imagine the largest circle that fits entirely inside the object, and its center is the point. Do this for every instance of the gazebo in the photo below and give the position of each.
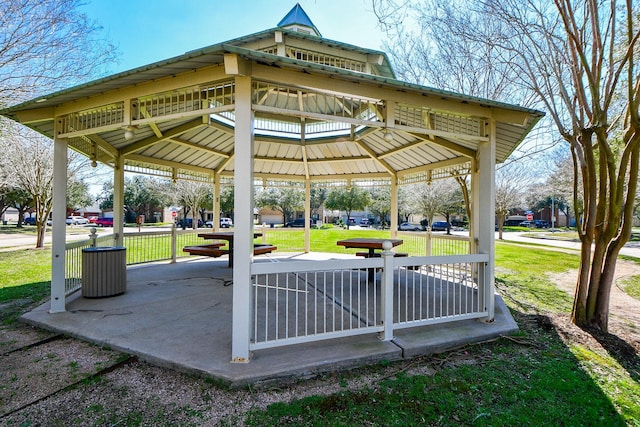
(283, 104)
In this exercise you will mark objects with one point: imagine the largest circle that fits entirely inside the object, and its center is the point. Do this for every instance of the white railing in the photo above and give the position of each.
(142, 247)
(432, 244)
(430, 290)
(73, 259)
(303, 301)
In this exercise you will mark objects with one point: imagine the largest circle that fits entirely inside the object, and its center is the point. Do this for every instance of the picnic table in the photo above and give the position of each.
(216, 250)
(371, 245)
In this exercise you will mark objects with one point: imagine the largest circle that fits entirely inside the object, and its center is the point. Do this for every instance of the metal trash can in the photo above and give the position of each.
(104, 271)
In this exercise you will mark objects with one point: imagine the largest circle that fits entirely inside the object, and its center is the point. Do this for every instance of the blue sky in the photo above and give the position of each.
(147, 31)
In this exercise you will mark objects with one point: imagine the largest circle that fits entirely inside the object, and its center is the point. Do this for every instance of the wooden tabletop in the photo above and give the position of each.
(367, 243)
(222, 235)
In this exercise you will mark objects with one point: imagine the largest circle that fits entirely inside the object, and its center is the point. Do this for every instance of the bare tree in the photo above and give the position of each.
(192, 196)
(429, 46)
(510, 184)
(577, 59)
(28, 161)
(429, 198)
(46, 45)
(559, 183)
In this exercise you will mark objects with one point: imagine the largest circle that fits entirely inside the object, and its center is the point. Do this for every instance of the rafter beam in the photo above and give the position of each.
(168, 163)
(432, 166)
(169, 133)
(224, 163)
(465, 151)
(303, 141)
(152, 125)
(375, 157)
(314, 161)
(195, 146)
(363, 176)
(104, 145)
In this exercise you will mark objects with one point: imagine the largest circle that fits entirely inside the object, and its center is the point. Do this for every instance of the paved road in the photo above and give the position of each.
(21, 240)
(77, 233)
(630, 249)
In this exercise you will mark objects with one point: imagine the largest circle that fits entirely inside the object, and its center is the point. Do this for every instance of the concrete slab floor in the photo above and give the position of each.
(179, 316)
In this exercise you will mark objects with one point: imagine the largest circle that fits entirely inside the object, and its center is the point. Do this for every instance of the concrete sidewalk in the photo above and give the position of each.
(179, 316)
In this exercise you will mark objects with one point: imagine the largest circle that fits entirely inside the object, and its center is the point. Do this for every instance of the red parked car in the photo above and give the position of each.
(104, 222)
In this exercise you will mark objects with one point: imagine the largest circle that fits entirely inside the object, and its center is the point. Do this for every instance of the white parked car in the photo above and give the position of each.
(77, 220)
(224, 223)
(405, 226)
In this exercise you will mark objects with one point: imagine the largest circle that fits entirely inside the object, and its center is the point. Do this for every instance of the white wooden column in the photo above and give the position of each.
(484, 196)
(216, 202)
(307, 216)
(393, 223)
(474, 220)
(243, 222)
(59, 232)
(118, 201)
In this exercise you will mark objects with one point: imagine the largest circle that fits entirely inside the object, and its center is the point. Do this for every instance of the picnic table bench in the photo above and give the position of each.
(215, 250)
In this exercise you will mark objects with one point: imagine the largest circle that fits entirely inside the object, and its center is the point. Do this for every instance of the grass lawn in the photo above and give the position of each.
(631, 285)
(26, 279)
(536, 378)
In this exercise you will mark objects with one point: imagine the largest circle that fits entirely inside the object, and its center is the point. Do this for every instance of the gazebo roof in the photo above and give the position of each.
(298, 17)
(323, 110)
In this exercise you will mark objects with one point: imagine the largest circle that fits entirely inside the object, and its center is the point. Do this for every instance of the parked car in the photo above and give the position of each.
(77, 220)
(536, 223)
(104, 222)
(188, 223)
(30, 220)
(364, 222)
(298, 223)
(406, 226)
(224, 223)
(440, 226)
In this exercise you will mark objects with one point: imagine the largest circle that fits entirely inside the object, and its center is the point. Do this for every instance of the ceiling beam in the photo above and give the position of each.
(224, 163)
(195, 146)
(468, 152)
(169, 133)
(312, 161)
(344, 85)
(104, 145)
(35, 115)
(153, 125)
(465, 151)
(168, 163)
(375, 157)
(313, 178)
(432, 166)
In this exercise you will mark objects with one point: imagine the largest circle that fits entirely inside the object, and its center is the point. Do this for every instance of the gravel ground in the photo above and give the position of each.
(53, 384)
(50, 380)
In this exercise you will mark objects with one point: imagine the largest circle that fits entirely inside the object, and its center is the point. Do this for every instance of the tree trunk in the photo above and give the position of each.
(500, 219)
(40, 234)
